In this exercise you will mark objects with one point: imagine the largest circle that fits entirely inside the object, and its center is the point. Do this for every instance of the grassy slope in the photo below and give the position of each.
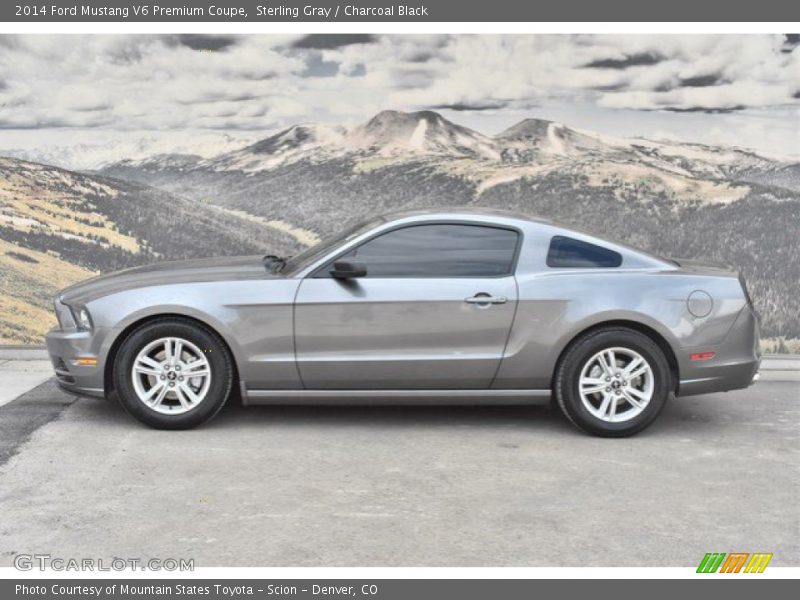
(59, 227)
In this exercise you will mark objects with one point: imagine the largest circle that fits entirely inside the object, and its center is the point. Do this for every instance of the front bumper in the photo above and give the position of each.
(734, 366)
(65, 348)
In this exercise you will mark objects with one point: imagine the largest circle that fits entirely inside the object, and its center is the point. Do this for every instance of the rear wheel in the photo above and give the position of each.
(173, 374)
(613, 382)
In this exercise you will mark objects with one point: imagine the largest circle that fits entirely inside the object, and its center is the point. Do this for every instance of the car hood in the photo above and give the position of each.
(180, 271)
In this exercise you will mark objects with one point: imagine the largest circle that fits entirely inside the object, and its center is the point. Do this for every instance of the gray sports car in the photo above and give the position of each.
(455, 306)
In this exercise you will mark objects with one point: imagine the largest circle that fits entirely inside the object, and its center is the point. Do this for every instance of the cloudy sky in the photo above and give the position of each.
(70, 89)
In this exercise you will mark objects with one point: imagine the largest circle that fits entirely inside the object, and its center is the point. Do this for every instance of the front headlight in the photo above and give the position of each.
(82, 318)
(66, 320)
(72, 318)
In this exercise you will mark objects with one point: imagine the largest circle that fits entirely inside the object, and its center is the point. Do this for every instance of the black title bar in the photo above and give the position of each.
(409, 11)
(389, 589)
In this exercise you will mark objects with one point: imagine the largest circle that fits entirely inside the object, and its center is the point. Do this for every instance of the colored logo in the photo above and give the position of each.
(735, 562)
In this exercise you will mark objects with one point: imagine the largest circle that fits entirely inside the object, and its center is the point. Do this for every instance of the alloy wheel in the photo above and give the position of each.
(616, 384)
(171, 375)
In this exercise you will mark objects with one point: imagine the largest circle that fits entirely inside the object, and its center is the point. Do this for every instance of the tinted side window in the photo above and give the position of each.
(439, 251)
(568, 252)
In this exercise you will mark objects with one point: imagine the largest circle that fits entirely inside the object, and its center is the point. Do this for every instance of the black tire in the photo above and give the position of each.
(566, 382)
(215, 351)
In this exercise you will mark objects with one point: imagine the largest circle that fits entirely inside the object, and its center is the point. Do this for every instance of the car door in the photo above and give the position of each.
(433, 311)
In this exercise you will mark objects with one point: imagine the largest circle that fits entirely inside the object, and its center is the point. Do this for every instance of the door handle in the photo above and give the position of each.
(484, 298)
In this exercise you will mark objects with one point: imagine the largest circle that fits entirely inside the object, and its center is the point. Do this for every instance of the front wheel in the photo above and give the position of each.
(613, 382)
(173, 374)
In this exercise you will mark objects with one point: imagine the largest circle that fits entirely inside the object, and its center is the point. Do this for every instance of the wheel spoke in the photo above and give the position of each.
(612, 362)
(150, 362)
(156, 394)
(593, 389)
(176, 352)
(162, 392)
(604, 405)
(601, 359)
(629, 397)
(198, 368)
(631, 366)
(189, 392)
(180, 393)
(168, 351)
(638, 393)
(147, 370)
(639, 372)
(196, 374)
(153, 391)
(612, 407)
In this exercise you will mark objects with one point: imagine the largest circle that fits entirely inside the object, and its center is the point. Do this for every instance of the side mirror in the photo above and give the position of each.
(343, 269)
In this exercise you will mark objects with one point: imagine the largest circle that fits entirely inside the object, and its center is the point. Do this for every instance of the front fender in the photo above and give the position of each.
(253, 317)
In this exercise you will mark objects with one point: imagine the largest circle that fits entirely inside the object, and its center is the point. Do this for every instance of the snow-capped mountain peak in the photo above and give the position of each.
(423, 132)
(303, 136)
(291, 144)
(526, 130)
(552, 138)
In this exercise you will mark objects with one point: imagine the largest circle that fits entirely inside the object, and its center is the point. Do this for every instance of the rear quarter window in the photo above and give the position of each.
(566, 252)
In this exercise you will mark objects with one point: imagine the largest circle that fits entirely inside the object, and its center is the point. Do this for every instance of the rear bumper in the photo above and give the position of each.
(732, 377)
(64, 348)
(734, 366)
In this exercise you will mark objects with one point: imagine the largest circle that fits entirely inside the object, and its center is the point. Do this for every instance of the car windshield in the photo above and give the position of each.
(329, 244)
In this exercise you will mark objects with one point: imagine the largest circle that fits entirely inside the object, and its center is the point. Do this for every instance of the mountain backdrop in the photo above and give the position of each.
(281, 193)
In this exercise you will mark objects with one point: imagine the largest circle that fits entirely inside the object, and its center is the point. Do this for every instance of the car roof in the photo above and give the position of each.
(460, 212)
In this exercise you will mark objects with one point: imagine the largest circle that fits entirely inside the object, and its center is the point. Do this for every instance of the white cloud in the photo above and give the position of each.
(143, 82)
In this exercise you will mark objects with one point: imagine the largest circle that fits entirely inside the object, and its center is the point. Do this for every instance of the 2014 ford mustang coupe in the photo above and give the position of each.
(456, 306)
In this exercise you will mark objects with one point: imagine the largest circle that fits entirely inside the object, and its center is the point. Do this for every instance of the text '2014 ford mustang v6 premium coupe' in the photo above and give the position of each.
(455, 306)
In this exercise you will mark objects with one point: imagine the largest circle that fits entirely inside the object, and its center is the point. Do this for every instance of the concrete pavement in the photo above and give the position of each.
(19, 376)
(457, 486)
